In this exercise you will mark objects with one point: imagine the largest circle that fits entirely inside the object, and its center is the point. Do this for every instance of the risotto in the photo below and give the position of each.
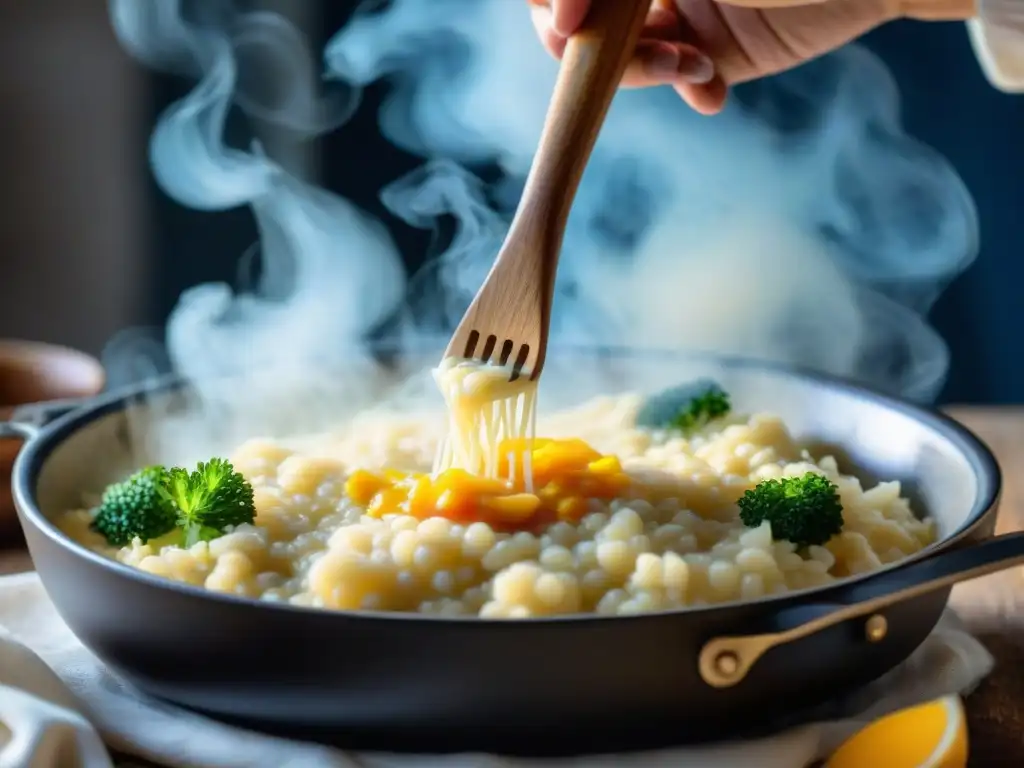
(618, 519)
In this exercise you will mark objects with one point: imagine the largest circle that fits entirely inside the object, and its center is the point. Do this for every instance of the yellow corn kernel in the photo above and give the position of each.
(551, 492)
(422, 496)
(460, 481)
(606, 465)
(459, 505)
(568, 449)
(456, 505)
(518, 445)
(571, 508)
(361, 486)
(513, 508)
(562, 456)
(387, 502)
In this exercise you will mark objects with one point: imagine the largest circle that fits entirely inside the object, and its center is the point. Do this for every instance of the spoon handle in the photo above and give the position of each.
(594, 61)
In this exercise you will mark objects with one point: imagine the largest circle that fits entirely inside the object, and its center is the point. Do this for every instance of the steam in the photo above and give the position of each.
(803, 225)
(329, 272)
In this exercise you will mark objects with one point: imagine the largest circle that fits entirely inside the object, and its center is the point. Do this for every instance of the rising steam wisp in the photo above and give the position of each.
(802, 225)
(330, 273)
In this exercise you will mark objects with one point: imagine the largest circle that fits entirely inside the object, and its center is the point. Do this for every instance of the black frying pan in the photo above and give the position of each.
(536, 686)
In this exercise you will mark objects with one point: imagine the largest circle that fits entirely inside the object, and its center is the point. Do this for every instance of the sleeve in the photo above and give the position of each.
(997, 33)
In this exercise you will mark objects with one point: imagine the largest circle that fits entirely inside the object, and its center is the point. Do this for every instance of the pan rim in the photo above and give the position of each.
(977, 454)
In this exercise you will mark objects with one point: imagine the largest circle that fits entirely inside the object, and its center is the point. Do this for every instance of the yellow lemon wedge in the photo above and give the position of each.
(930, 735)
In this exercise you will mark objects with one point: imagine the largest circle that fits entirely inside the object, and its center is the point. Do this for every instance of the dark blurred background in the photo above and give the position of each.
(89, 245)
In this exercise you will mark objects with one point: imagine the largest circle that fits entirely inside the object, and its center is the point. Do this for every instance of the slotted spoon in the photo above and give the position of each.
(509, 317)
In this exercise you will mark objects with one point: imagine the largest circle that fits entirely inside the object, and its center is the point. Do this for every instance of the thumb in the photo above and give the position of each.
(568, 15)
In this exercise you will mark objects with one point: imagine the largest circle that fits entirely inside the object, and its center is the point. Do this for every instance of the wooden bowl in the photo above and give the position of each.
(31, 372)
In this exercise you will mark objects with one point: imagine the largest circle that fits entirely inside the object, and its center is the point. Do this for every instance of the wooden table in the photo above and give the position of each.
(993, 607)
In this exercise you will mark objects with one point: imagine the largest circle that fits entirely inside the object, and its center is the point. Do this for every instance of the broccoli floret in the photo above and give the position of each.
(684, 407)
(209, 499)
(155, 501)
(804, 510)
(136, 507)
(712, 403)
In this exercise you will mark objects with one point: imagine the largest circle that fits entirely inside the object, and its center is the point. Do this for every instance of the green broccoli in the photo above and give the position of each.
(804, 510)
(136, 507)
(684, 407)
(711, 404)
(209, 499)
(155, 501)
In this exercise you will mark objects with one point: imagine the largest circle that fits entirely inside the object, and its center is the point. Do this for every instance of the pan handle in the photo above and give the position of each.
(725, 661)
(27, 420)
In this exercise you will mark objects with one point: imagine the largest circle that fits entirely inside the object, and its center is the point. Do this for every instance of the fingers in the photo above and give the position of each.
(658, 60)
(557, 19)
(692, 74)
(706, 99)
(567, 15)
(543, 22)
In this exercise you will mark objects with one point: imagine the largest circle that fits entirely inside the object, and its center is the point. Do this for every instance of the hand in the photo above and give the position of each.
(701, 47)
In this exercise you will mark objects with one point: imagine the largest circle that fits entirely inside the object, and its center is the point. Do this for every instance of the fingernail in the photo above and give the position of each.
(670, 64)
(697, 69)
(663, 63)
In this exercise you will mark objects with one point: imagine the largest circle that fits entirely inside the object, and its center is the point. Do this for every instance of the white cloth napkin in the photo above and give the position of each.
(57, 700)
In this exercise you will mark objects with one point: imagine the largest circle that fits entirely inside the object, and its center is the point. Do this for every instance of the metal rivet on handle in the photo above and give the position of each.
(876, 628)
(727, 663)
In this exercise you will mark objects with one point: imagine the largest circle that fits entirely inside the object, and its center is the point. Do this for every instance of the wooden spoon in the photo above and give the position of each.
(509, 318)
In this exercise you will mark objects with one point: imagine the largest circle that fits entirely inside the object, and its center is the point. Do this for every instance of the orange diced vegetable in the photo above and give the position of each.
(566, 473)
(458, 505)
(461, 480)
(423, 496)
(606, 465)
(387, 502)
(571, 509)
(513, 509)
(361, 486)
(551, 492)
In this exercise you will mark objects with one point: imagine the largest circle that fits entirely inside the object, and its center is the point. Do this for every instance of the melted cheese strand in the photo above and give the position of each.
(484, 409)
